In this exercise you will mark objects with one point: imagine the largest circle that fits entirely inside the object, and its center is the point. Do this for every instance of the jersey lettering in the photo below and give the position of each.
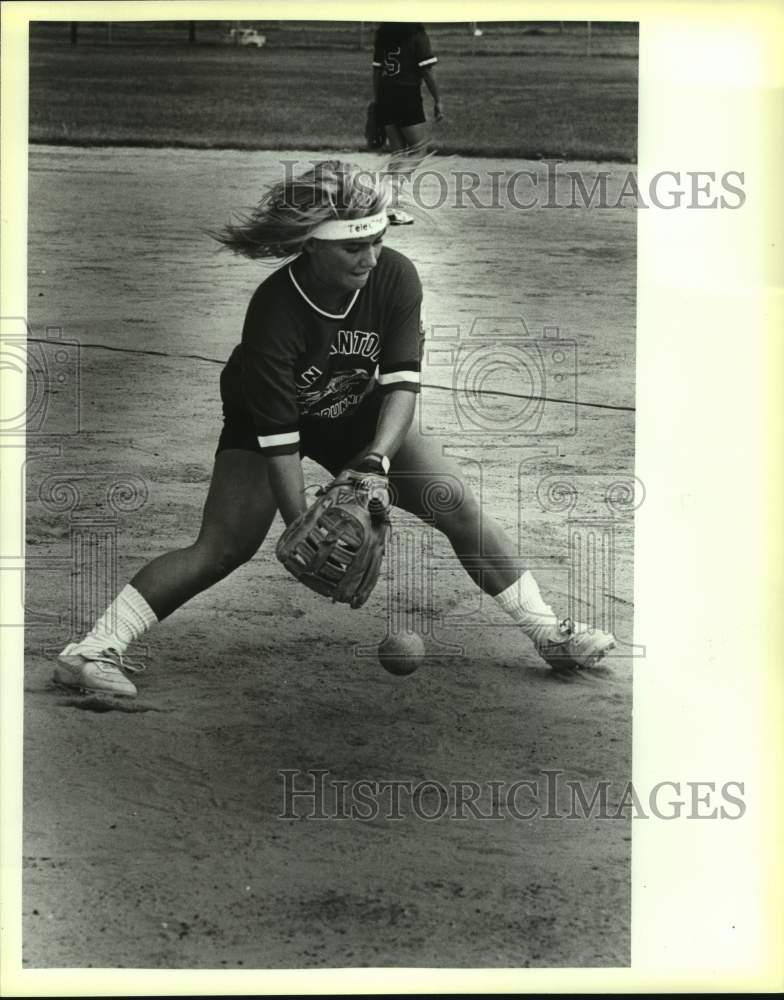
(339, 408)
(310, 375)
(366, 345)
(392, 62)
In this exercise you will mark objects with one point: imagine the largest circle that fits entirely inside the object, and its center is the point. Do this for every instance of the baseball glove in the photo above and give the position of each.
(337, 545)
(375, 134)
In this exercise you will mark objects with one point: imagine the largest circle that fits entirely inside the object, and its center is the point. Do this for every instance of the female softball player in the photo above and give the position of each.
(328, 367)
(402, 59)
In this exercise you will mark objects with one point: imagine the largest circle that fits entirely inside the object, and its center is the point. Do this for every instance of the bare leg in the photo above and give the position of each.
(410, 142)
(431, 486)
(407, 137)
(414, 136)
(395, 137)
(237, 516)
(420, 473)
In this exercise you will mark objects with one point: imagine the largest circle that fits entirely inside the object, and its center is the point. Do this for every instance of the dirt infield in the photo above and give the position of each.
(160, 836)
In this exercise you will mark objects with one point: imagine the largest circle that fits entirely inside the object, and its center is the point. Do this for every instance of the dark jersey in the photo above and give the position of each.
(402, 62)
(296, 360)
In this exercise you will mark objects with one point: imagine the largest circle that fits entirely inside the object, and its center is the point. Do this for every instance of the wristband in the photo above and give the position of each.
(374, 462)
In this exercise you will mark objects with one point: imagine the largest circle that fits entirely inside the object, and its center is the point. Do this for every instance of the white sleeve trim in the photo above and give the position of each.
(428, 62)
(391, 377)
(276, 440)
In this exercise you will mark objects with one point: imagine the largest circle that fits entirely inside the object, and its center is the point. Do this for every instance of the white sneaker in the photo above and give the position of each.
(102, 672)
(572, 644)
(398, 218)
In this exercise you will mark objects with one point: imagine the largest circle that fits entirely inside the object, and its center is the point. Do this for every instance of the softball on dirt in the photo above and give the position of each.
(401, 654)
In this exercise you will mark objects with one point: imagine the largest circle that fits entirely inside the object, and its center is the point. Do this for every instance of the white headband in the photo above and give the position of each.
(351, 229)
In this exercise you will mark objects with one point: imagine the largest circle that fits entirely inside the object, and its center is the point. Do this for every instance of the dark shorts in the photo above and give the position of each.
(331, 443)
(400, 106)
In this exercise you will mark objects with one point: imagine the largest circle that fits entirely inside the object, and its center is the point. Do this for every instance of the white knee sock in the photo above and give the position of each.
(524, 604)
(127, 618)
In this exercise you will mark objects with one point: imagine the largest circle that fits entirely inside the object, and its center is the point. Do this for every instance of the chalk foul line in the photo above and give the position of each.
(425, 385)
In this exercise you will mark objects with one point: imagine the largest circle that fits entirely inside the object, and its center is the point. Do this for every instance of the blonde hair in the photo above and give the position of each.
(289, 211)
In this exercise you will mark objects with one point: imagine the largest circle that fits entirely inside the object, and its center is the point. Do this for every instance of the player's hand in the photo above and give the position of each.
(438, 111)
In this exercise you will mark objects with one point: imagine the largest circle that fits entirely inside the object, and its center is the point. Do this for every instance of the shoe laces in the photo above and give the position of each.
(553, 634)
(566, 627)
(114, 657)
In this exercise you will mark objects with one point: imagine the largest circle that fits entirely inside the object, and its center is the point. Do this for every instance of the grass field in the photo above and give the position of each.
(548, 99)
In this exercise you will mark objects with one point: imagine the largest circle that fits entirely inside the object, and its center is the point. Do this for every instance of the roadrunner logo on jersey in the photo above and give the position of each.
(343, 391)
(331, 394)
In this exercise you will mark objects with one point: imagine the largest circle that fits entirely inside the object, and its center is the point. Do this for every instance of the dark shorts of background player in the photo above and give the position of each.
(331, 443)
(400, 106)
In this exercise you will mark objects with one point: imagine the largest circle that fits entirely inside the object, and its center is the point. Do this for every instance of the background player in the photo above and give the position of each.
(402, 59)
(328, 367)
